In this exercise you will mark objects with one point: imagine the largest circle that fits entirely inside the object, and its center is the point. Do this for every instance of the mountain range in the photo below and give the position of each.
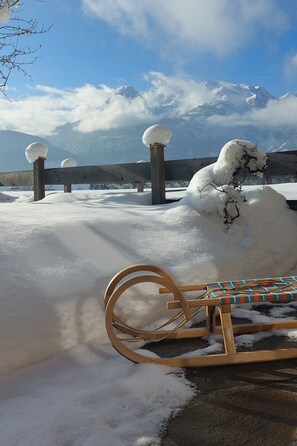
(199, 131)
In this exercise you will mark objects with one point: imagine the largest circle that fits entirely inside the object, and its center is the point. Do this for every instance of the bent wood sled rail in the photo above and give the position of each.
(215, 298)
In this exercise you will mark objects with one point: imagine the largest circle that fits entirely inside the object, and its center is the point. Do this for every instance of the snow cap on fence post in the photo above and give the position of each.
(36, 150)
(156, 134)
(157, 137)
(68, 162)
(36, 154)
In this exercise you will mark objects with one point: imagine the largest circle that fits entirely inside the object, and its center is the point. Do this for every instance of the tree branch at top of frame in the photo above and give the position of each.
(16, 51)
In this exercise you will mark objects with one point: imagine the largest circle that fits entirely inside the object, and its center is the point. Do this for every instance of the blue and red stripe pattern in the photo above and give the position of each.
(272, 289)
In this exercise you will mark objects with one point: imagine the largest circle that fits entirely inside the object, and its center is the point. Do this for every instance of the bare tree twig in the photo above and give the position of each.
(15, 52)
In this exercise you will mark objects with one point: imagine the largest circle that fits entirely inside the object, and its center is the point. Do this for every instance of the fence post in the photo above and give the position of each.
(140, 185)
(36, 154)
(156, 138)
(67, 188)
(39, 179)
(68, 162)
(157, 173)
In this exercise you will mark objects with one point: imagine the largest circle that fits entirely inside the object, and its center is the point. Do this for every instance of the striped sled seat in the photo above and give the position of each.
(217, 298)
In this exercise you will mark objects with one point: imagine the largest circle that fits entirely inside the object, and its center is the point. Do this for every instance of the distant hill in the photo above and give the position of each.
(194, 134)
(12, 151)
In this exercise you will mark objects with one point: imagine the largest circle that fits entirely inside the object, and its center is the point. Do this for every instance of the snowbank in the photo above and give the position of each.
(58, 255)
(89, 396)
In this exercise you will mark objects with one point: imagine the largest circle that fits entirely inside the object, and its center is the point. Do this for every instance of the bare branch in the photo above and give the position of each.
(15, 52)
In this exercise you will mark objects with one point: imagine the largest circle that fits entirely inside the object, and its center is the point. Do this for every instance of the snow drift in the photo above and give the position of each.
(58, 255)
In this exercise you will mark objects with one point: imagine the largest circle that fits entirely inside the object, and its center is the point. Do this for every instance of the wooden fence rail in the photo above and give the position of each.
(279, 164)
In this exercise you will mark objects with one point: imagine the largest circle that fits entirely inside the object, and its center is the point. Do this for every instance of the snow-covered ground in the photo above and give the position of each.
(62, 382)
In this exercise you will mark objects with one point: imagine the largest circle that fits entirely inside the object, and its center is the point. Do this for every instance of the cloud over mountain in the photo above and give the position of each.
(101, 125)
(101, 107)
(92, 108)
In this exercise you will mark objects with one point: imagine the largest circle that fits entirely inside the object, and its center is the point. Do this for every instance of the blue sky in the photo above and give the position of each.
(97, 41)
(163, 48)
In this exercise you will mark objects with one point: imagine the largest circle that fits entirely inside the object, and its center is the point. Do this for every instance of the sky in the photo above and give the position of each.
(95, 46)
(117, 42)
(61, 382)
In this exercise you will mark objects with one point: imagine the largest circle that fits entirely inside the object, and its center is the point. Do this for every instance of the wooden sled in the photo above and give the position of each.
(212, 296)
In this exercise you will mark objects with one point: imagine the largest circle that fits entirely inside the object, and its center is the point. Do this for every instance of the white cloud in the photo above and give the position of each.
(290, 66)
(94, 108)
(100, 108)
(196, 25)
(178, 94)
(129, 16)
(278, 112)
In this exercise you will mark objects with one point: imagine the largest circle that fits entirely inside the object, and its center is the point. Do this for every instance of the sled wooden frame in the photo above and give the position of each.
(143, 273)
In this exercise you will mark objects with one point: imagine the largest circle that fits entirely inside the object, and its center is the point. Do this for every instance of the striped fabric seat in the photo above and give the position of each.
(273, 289)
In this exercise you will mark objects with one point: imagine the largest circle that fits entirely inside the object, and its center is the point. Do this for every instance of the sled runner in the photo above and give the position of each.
(217, 299)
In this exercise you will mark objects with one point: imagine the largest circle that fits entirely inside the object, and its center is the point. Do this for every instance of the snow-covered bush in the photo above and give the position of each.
(216, 189)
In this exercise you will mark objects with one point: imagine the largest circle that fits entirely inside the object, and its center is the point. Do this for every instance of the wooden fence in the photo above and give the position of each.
(279, 164)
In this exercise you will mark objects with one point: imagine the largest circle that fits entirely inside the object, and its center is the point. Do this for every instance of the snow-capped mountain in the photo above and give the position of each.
(232, 98)
(201, 121)
(127, 92)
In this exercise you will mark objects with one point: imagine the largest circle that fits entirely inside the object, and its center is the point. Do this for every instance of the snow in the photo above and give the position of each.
(212, 189)
(36, 150)
(62, 382)
(157, 133)
(69, 162)
(88, 396)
